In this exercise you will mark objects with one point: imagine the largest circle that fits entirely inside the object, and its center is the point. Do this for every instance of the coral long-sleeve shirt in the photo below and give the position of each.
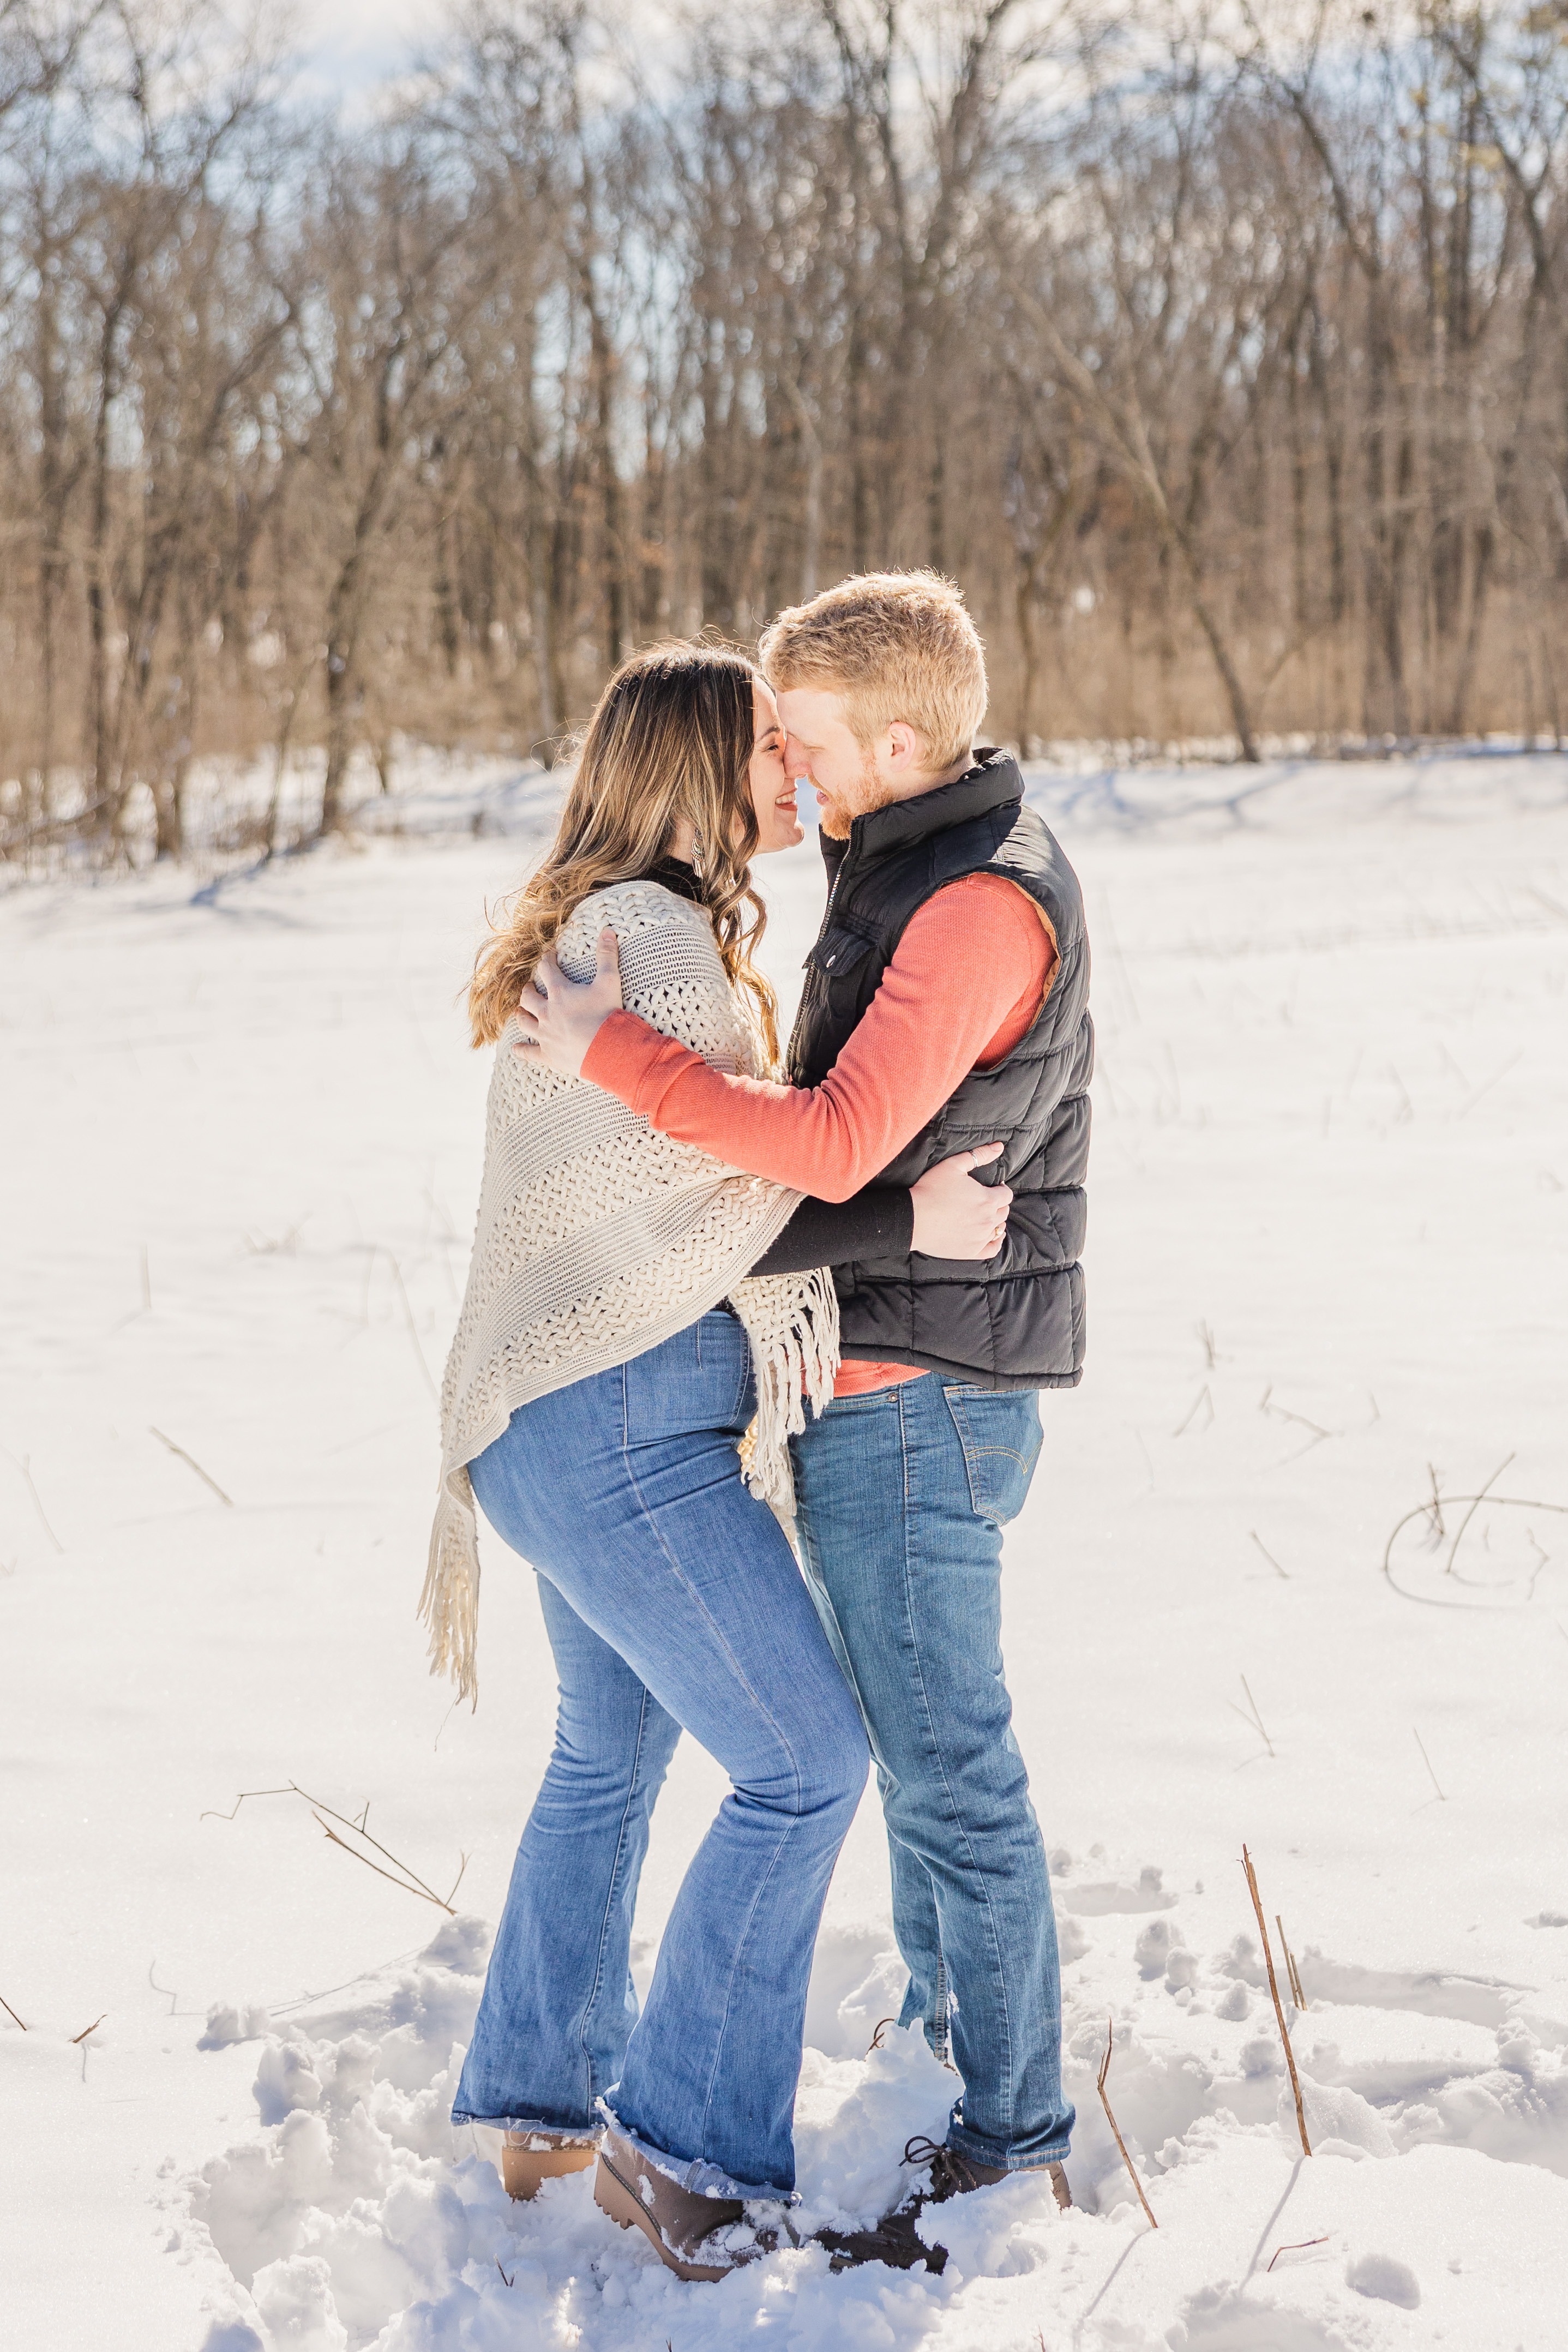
(967, 978)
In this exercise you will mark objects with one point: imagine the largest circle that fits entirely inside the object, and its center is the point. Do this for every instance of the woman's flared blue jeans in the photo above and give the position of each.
(671, 1600)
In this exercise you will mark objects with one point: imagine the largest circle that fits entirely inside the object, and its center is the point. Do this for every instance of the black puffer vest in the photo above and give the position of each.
(1015, 1321)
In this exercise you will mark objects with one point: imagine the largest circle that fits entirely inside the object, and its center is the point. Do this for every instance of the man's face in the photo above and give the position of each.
(821, 745)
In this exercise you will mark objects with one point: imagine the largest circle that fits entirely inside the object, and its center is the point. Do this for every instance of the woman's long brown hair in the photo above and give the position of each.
(672, 737)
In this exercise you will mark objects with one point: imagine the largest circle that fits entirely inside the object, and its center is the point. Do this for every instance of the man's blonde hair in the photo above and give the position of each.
(892, 645)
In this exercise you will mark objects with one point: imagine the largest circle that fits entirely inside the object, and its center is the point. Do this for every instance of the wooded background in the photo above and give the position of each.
(1221, 353)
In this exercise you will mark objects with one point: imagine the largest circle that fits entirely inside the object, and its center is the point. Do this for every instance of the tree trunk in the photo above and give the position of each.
(101, 813)
(168, 819)
(651, 590)
(1230, 677)
(936, 502)
(53, 422)
(1023, 607)
(612, 551)
(544, 662)
(341, 705)
(860, 485)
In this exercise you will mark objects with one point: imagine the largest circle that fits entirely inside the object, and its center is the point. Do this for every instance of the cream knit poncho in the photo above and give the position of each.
(597, 1238)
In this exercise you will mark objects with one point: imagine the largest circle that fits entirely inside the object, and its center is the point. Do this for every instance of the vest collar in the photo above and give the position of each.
(991, 783)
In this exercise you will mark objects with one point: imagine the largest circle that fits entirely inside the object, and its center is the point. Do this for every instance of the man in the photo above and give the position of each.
(944, 1007)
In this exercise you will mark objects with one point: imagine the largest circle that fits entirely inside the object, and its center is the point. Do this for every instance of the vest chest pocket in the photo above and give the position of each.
(837, 953)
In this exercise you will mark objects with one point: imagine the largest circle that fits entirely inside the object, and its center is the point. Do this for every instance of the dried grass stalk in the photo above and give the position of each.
(400, 1874)
(191, 1463)
(1300, 2246)
(1116, 2134)
(1294, 1974)
(1274, 1992)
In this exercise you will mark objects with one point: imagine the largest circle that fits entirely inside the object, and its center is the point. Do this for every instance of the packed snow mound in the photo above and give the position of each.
(357, 2216)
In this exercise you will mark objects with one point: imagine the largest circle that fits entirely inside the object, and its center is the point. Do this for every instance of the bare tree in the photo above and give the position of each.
(1223, 359)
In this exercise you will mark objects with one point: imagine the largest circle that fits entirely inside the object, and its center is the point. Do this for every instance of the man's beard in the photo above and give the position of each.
(867, 792)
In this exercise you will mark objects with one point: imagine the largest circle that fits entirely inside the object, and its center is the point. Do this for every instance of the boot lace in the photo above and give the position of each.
(951, 2175)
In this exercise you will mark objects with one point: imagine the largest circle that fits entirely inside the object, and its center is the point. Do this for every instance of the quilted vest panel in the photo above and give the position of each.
(1017, 1321)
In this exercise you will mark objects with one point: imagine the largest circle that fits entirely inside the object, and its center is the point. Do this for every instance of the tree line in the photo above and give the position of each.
(1218, 349)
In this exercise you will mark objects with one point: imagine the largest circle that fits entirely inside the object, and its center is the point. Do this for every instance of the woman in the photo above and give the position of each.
(614, 1345)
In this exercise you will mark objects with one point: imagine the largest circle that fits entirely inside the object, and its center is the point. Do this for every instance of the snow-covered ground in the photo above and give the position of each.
(1328, 1262)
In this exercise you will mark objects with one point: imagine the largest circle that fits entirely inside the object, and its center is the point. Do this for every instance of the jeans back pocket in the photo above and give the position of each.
(699, 1379)
(1001, 1432)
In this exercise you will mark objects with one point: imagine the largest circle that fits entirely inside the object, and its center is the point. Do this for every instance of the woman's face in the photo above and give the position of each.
(779, 825)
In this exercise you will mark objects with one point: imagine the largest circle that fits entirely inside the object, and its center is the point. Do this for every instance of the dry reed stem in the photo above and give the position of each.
(1116, 2134)
(1274, 1993)
(399, 1875)
(1255, 1720)
(875, 2042)
(1279, 1413)
(1291, 1968)
(1269, 1555)
(1438, 1529)
(1432, 1510)
(10, 2012)
(25, 1464)
(80, 2037)
(408, 1318)
(1257, 1717)
(1427, 1761)
(1296, 2248)
(211, 1812)
(1202, 1398)
(410, 1884)
(1476, 1503)
(191, 1462)
(414, 1884)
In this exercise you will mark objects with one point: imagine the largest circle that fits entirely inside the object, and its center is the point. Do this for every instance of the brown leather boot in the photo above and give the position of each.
(954, 2175)
(697, 2237)
(529, 2157)
(894, 2239)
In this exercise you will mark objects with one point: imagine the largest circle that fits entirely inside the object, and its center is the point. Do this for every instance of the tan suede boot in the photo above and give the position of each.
(529, 2157)
(702, 2238)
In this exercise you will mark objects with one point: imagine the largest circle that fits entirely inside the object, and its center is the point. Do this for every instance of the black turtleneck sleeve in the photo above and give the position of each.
(877, 1222)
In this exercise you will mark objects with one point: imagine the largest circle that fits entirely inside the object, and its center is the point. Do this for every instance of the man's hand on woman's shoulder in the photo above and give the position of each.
(560, 1018)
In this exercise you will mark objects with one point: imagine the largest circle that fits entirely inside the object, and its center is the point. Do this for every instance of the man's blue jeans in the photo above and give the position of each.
(671, 1597)
(903, 1495)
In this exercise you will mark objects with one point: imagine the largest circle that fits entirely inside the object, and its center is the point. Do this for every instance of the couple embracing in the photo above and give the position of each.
(708, 1304)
